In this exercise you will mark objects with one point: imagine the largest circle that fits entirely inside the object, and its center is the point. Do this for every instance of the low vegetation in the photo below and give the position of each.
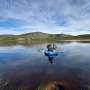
(36, 37)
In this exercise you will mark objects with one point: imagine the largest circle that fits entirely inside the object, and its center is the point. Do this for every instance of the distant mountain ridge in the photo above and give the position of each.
(35, 35)
(45, 35)
(39, 36)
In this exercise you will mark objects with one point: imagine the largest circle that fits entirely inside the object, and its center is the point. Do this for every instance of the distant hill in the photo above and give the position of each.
(39, 36)
(34, 35)
(85, 36)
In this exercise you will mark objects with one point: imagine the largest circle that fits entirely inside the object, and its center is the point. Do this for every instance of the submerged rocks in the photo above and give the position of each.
(58, 85)
(54, 85)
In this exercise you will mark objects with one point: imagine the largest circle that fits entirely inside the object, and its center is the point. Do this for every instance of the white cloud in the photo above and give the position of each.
(47, 15)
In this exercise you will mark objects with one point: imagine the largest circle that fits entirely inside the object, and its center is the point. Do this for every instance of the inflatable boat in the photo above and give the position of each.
(51, 53)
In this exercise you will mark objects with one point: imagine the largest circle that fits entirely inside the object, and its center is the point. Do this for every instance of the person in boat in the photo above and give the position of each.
(51, 47)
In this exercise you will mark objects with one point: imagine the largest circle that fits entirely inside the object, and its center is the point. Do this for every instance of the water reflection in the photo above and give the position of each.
(50, 59)
(26, 66)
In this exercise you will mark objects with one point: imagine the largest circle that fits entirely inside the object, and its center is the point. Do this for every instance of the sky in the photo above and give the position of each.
(48, 16)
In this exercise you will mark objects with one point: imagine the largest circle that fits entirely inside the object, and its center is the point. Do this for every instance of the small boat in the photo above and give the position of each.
(51, 53)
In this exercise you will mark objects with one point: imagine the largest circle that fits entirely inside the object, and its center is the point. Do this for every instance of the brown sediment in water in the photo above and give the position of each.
(30, 81)
(62, 85)
(49, 85)
(58, 85)
(35, 81)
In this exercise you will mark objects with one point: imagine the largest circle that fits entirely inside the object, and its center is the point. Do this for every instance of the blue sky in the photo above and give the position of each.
(49, 16)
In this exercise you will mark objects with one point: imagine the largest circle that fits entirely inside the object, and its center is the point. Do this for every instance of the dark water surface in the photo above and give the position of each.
(27, 67)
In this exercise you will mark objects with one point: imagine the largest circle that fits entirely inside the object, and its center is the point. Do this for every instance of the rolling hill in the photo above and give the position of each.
(39, 36)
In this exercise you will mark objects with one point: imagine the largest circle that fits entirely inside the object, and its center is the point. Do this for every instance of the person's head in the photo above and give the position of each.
(49, 45)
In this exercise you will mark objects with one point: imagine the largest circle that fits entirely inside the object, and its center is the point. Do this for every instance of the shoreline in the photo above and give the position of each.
(77, 40)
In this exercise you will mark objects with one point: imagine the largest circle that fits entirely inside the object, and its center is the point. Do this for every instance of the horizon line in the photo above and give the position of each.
(45, 33)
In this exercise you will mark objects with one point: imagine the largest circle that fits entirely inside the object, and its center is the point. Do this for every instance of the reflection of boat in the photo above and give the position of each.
(50, 59)
(51, 53)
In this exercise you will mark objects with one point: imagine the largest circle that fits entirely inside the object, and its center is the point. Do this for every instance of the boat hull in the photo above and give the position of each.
(51, 53)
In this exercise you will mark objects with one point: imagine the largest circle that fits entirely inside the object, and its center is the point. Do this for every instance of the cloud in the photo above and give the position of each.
(51, 16)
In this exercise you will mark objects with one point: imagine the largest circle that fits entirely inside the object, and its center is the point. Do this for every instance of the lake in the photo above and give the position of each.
(25, 66)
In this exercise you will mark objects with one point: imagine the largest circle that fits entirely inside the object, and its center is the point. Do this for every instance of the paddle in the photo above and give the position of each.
(40, 50)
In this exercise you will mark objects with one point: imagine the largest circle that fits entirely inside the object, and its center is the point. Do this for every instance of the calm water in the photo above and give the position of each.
(26, 66)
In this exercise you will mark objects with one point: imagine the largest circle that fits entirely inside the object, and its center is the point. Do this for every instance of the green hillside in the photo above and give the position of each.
(40, 37)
